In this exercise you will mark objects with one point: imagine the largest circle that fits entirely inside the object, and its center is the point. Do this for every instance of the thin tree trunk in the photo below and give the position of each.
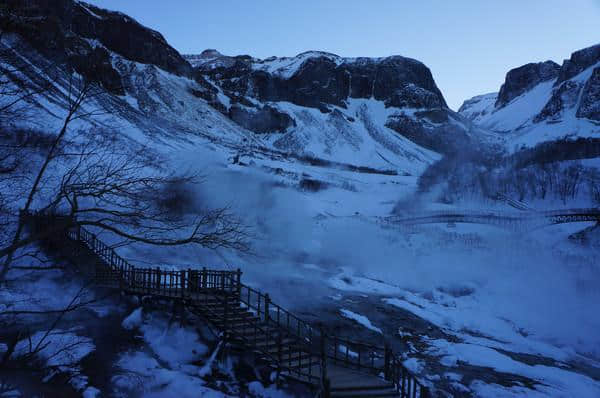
(34, 188)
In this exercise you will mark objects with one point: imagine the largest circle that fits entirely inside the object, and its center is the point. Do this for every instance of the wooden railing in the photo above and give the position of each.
(309, 349)
(285, 326)
(379, 360)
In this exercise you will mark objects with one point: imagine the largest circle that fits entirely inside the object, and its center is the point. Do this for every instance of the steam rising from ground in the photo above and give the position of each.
(538, 292)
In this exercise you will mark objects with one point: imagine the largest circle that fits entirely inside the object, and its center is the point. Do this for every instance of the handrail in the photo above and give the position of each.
(382, 359)
(305, 341)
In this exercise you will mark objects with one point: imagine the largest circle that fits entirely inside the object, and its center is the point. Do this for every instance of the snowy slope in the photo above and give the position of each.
(473, 309)
(478, 107)
(324, 105)
(356, 135)
(551, 109)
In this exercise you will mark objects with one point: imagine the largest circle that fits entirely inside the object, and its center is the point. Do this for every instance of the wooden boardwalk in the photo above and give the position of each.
(333, 366)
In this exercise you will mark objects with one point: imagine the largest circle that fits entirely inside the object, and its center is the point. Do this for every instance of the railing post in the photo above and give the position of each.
(203, 277)
(267, 302)
(78, 233)
(387, 358)
(326, 388)
(158, 279)
(239, 282)
(335, 348)
(425, 392)
(278, 357)
(324, 379)
(182, 282)
(121, 279)
(225, 318)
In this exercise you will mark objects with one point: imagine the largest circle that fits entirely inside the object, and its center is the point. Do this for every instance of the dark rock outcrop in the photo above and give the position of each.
(433, 130)
(589, 105)
(264, 120)
(564, 96)
(82, 36)
(324, 79)
(523, 78)
(579, 61)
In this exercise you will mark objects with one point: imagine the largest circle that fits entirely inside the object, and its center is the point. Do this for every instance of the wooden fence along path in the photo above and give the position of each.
(334, 366)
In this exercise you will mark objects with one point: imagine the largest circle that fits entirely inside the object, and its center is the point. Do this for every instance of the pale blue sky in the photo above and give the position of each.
(469, 45)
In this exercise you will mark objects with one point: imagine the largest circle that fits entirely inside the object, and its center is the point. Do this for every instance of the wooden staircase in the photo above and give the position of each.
(291, 347)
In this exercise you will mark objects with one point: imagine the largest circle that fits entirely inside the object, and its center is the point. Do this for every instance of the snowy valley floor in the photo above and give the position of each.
(474, 310)
(477, 310)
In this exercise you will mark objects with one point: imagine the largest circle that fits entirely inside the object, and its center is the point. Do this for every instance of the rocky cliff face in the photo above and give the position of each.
(317, 80)
(578, 62)
(522, 79)
(543, 102)
(373, 110)
(258, 94)
(589, 105)
(83, 36)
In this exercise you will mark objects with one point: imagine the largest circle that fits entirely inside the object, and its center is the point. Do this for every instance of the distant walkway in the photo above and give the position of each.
(331, 365)
(521, 220)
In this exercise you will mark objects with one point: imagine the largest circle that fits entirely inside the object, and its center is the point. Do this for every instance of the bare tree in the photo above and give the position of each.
(120, 191)
(79, 90)
(28, 352)
(115, 187)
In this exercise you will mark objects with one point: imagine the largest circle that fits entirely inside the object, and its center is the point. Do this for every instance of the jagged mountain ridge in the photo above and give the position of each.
(274, 95)
(541, 102)
(378, 112)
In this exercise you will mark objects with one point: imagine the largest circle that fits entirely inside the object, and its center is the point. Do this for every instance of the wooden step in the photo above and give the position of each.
(237, 316)
(260, 330)
(362, 382)
(294, 356)
(260, 338)
(274, 343)
(303, 364)
(232, 315)
(220, 307)
(368, 393)
(234, 322)
(288, 354)
(215, 302)
(347, 380)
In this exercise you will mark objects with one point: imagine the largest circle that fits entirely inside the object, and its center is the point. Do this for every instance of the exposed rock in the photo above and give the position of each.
(83, 35)
(432, 129)
(318, 79)
(264, 120)
(589, 105)
(579, 61)
(204, 57)
(523, 78)
(410, 128)
(478, 106)
(564, 96)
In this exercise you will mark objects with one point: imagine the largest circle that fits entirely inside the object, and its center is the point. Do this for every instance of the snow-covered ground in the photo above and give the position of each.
(507, 314)
(520, 305)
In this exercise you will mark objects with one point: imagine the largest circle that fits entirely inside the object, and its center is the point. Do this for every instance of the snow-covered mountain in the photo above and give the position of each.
(543, 101)
(383, 113)
(314, 152)
(335, 107)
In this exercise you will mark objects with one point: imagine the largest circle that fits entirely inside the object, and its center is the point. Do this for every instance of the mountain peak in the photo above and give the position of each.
(523, 78)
